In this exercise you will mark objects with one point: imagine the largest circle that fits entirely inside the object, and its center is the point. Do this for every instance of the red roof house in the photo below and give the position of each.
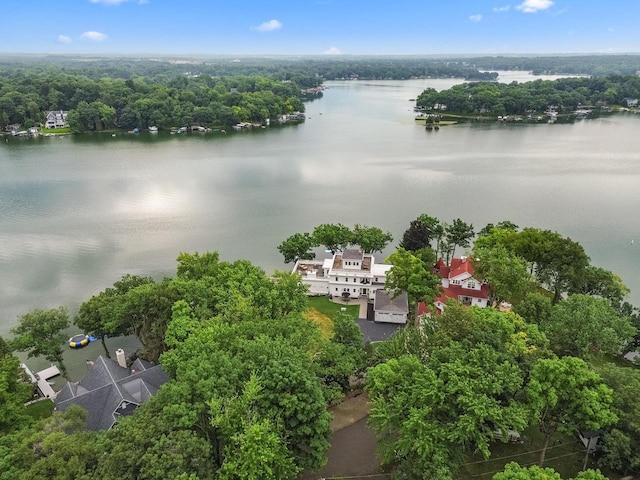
(458, 283)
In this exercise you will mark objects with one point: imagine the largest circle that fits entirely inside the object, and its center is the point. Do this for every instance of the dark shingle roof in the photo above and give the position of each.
(109, 389)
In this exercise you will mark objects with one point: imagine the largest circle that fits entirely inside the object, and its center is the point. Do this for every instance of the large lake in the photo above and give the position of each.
(79, 212)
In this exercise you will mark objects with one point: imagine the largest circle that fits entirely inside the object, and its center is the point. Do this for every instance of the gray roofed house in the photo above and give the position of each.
(109, 391)
(390, 309)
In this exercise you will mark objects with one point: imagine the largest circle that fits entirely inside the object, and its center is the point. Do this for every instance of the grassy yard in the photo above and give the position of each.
(41, 409)
(328, 308)
(57, 131)
(321, 311)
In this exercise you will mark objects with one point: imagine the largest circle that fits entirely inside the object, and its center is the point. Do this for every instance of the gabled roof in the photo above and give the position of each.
(457, 291)
(384, 302)
(460, 266)
(109, 390)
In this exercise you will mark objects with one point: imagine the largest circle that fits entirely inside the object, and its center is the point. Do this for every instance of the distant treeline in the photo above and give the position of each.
(163, 101)
(307, 72)
(577, 65)
(566, 95)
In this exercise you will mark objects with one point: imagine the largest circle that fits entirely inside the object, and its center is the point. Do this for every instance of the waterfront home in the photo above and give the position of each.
(351, 273)
(56, 119)
(459, 284)
(13, 129)
(112, 389)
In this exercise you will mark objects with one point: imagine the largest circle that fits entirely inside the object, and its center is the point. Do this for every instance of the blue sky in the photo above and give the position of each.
(300, 27)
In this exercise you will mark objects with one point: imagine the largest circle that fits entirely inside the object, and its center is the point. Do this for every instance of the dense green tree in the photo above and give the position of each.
(565, 395)
(582, 325)
(535, 308)
(144, 311)
(427, 416)
(15, 390)
(600, 282)
(298, 247)
(558, 261)
(341, 357)
(416, 237)
(193, 266)
(458, 234)
(279, 353)
(513, 471)
(253, 448)
(95, 315)
(436, 230)
(621, 449)
(148, 445)
(40, 333)
(334, 237)
(53, 448)
(504, 225)
(346, 331)
(370, 239)
(506, 274)
(409, 274)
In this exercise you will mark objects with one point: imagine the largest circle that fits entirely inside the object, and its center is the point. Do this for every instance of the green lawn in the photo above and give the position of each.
(41, 409)
(57, 130)
(328, 308)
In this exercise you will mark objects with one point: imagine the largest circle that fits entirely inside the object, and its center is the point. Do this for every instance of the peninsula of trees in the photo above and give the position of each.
(562, 96)
(140, 102)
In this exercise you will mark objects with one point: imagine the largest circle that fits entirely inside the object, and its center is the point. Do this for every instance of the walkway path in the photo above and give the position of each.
(353, 443)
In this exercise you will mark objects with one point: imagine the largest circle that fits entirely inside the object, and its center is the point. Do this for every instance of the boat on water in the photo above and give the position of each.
(153, 129)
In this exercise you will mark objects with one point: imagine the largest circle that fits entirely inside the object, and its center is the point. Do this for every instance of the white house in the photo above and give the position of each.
(388, 309)
(349, 273)
(56, 119)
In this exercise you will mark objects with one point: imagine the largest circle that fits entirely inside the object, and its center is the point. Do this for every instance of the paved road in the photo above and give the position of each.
(352, 453)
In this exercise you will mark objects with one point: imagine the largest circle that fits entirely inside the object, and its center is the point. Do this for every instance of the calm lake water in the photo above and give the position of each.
(79, 212)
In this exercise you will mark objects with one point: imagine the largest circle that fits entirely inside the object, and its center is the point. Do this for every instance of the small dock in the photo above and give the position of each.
(40, 379)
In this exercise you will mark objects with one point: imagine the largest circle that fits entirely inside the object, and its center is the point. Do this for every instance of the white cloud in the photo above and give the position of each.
(476, 18)
(532, 6)
(502, 9)
(269, 26)
(332, 51)
(64, 39)
(93, 36)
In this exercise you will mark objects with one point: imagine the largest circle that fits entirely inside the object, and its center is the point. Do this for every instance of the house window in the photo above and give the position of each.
(336, 279)
(376, 279)
(471, 285)
(455, 282)
(354, 280)
(336, 289)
